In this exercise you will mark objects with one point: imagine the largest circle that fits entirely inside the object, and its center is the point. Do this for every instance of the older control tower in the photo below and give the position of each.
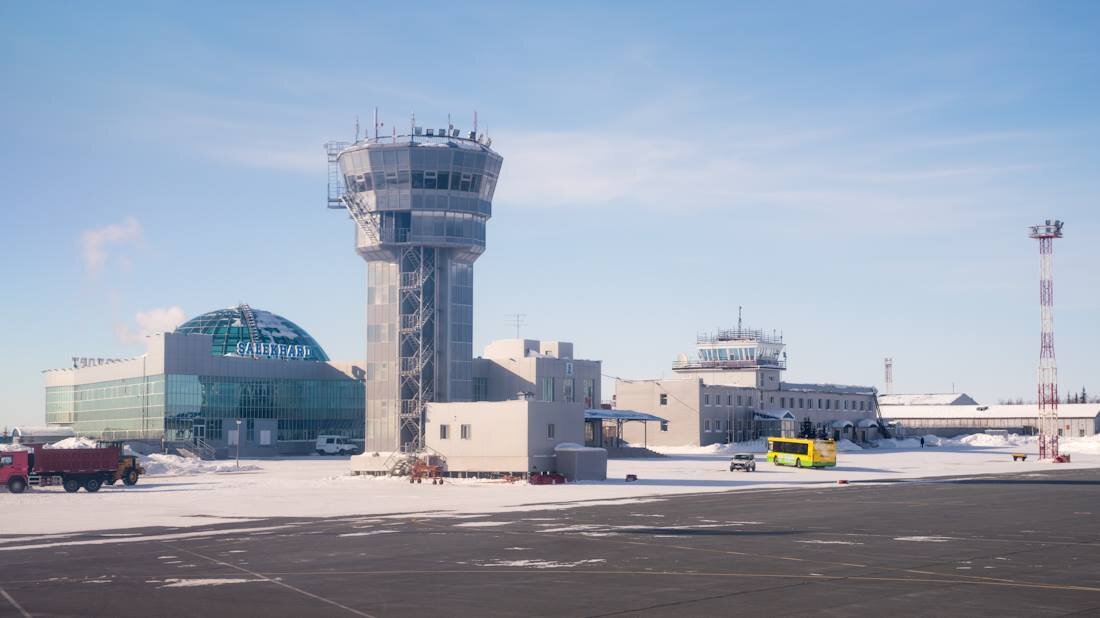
(420, 203)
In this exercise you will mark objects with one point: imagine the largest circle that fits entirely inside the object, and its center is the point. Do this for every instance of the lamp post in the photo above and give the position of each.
(238, 444)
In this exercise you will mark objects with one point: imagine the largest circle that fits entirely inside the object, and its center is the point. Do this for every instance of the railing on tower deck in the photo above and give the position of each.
(739, 334)
(729, 364)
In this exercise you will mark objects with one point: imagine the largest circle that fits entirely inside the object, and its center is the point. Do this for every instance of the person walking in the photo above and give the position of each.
(922, 441)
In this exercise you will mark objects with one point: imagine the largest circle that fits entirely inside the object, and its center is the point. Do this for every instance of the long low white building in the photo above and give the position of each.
(1075, 420)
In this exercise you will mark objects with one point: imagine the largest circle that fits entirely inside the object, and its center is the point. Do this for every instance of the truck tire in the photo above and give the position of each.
(17, 484)
(71, 484)
(320, 452)
(130, 478)
(92, 485)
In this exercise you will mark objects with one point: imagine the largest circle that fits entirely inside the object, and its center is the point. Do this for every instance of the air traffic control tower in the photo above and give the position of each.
(420, 203)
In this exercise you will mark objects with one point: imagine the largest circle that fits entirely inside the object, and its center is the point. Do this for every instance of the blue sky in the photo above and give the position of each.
(857, 175)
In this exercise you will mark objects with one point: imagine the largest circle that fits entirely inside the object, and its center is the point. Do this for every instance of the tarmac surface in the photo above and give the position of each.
(1007, 545)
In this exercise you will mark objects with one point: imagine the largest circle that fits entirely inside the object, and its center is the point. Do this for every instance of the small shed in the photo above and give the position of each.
(581, 463)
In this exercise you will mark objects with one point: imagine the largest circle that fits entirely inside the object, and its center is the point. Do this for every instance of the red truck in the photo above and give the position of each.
(74, 468)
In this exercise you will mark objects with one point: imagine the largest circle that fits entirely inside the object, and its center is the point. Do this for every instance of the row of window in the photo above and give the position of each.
(822, 403)
(547, 390)
(421, 158)
(464, 432)
(734, 354)
(717, 400)
(793, 403)
(421, 179)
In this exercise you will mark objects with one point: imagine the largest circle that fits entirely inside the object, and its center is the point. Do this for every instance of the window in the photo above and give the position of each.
(828, 402)
(782, 402)
(799, 403)
(6, 461)
(590, 393)
(706, 400)
(739, 400)
(664, 425)
(567, 389)
(706, 425)
(481, 389)
(861, 404)
(664, 399)
(729, 400)
(464, 432)
(444, 432)
(818, 404)
(546, 390)
(550, 431)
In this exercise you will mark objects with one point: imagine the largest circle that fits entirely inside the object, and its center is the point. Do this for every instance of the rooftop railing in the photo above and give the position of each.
(729, 364)
(739, 334)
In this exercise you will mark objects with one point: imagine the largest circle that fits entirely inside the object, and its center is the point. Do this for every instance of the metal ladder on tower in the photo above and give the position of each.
(340, 197)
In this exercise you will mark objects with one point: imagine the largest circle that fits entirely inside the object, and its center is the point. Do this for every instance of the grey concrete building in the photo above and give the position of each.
(544, 370)
(420, 203)
(733, 391)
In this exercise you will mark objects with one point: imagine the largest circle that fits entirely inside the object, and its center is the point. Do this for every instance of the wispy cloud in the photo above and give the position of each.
(157, 320)
(97, 244)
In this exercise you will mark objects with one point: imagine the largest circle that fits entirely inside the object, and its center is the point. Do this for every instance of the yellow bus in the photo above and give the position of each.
(802, 453)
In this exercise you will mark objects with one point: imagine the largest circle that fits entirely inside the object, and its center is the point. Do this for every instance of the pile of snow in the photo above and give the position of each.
(845, 445)
(985, 439)
(752, 446)
(68, 443)
(1081, 446)
(174, 465)
(11, 447)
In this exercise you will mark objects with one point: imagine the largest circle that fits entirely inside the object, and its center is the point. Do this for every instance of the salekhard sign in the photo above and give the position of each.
(274, 350)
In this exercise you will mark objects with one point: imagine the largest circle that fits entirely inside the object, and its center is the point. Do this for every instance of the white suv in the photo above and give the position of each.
(335, 445)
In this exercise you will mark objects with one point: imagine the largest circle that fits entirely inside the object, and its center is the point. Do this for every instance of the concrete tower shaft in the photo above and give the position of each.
(421, 205)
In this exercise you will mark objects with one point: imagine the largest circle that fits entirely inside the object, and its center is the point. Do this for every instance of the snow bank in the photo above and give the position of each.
(11, 447)
(985, 439)
(1081, 446)
(174, 465)
(845, 445)
(69, 443)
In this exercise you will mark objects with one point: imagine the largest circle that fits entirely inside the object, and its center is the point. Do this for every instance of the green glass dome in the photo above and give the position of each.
(244, 331)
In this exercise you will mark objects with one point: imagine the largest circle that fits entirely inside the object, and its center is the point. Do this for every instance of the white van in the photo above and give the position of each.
(335, 445)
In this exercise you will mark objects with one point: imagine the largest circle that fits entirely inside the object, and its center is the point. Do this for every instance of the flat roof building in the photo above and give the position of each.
(732, 391)
(1075, 420)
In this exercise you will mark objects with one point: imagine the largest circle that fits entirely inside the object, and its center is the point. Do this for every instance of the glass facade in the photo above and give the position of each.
(181, 407)
(116, 409)
(304, 409)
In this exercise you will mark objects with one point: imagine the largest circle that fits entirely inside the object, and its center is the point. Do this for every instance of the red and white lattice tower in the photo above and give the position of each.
(1048, 369)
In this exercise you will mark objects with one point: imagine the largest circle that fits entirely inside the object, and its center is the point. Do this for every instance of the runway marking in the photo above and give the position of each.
(139, 539)
(969, 581)
(279, 583)
(18, 607)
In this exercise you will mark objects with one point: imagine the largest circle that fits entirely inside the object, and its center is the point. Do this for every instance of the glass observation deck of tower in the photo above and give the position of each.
(738, 348)
(420, 203)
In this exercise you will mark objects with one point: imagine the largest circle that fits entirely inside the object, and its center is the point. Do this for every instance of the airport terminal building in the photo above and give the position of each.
(732, 391)
(192, 385)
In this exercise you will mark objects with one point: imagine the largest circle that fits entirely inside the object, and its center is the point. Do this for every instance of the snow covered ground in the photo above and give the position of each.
(182, 494)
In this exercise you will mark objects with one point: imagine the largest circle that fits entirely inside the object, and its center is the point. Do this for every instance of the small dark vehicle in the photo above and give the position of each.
(743, 461)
